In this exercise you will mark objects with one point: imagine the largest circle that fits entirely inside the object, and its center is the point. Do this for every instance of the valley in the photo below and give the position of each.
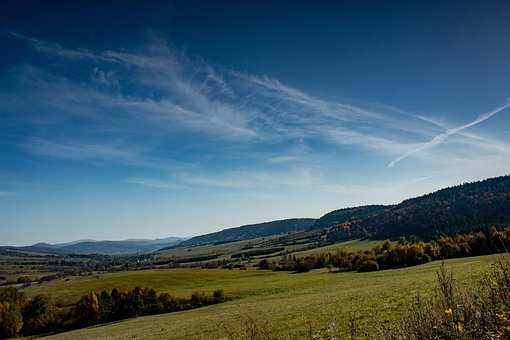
(287, 303)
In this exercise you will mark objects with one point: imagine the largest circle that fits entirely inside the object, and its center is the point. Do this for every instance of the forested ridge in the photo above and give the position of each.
(251, 231)
(459, 208)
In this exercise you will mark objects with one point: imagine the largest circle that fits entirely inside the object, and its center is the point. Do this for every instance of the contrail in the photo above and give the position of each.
(442, 137)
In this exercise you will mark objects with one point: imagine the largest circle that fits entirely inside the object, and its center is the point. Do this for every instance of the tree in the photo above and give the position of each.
(153, 305)
(11, 321)
(86, 311)
(137, 304)
(11, 295)
(115, 304)
(39, 315)
(166, 301)
(105, 305)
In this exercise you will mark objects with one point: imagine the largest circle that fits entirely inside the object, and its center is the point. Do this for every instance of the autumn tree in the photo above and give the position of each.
(39, 315)
(11, 321)
(86, 311)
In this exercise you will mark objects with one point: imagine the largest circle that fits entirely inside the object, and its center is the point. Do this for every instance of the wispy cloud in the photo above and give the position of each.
(55, 49)
(237, 179)
(441, 138)
(148, 97)
(284, 185)
(77, 151)
(194, 94)
(154, 183)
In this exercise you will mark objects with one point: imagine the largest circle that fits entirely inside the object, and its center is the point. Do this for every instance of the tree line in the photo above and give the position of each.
(404, 253)
(20, 316)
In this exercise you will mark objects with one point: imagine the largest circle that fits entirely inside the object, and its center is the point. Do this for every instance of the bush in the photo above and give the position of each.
(219, 295)
(303, 265)
(24, 280)
(264, 264)
(368, 266)
(198, 300)
(168, 302)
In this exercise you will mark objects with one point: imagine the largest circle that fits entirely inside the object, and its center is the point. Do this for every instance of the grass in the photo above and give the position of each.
(288, 302)
(181, 282)
(353, 245)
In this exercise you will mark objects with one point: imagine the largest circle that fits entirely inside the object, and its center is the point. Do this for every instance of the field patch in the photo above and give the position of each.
(288, 302)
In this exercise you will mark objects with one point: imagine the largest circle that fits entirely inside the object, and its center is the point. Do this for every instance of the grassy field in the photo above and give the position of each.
(13, 267)
(288, 302)
(183, 282)
(224, 251)
(353, 245)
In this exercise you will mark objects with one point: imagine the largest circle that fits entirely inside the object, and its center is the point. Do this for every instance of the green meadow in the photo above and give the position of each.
(289, 304)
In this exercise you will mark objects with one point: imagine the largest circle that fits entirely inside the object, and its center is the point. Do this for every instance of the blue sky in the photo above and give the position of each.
(181, 118)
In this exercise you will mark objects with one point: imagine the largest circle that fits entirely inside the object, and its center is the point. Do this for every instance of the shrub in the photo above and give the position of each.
(168, 302)
(264, 264)
(39, 315)
(303, 265)
(198, 300)
(368, 266)
(24, 279)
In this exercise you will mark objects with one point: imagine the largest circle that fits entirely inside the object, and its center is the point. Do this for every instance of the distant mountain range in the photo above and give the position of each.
(123, 247)
(455, 209)
(252, 231)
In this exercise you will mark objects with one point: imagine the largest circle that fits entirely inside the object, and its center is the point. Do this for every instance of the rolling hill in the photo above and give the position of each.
(344, 215)
(122, 247)
(455, 209)
(251, 231)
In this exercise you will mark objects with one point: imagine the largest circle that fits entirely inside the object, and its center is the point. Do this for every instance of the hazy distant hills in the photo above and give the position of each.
(459, 208)
(132, 246)
(252, 231)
